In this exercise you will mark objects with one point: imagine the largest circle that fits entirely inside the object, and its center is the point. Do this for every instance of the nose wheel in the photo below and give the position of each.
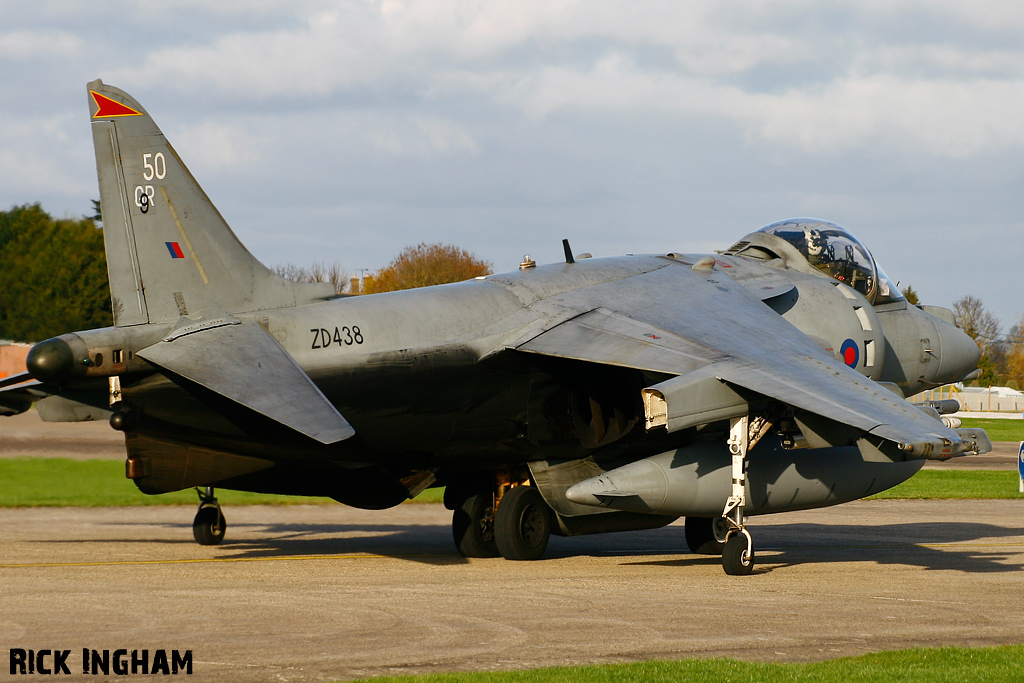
(738, 554)
(209, 526)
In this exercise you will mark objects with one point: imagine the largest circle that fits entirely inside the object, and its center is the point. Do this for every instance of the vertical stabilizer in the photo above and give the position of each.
(169, 251)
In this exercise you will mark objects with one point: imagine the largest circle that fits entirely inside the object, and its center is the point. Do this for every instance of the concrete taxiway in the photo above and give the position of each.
(313, 593)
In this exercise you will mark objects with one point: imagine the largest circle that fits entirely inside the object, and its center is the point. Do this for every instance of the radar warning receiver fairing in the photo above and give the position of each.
(595, 395)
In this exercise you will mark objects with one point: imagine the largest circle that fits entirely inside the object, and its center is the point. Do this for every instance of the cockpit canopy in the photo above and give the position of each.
(835, 252)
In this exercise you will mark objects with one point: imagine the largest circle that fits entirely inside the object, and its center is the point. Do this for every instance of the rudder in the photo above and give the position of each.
(169, 251)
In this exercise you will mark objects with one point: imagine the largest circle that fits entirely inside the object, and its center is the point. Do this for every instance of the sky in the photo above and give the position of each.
(347, 130)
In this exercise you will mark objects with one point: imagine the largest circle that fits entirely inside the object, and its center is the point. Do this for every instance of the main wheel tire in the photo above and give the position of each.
(522, 524)
(700, 536)
(735, 560)
(209, 526)
(473, 526)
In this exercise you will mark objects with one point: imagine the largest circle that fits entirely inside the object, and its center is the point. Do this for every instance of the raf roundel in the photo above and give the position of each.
(850, 353)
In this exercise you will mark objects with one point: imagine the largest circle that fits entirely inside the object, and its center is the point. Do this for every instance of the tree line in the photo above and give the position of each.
(53, 273)
(420, 265)
(1002, 356)
(53, 279)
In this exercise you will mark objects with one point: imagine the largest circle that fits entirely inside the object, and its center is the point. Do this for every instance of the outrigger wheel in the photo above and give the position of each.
(208, 527)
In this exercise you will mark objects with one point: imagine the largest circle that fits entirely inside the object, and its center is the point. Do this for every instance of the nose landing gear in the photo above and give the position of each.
(738, 553)
(208, 527)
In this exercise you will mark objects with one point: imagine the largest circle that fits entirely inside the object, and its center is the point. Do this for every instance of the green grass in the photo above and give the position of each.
(976, 484)
(939, 665)
(998, 429)
(58, 482)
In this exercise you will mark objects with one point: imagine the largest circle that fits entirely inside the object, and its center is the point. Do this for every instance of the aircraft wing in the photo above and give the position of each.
(699, 326)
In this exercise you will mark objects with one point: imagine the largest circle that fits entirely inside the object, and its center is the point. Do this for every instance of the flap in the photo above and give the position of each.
(244, 363)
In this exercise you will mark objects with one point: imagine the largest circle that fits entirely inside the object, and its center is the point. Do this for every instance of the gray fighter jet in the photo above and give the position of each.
(594, 395)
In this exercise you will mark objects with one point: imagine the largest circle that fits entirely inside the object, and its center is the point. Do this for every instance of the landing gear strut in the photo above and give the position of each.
(738, 553)
(208, 527)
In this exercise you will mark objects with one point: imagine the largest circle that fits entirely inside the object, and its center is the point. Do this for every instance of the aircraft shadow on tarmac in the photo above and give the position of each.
(786, 545)
(429, 544)
(778, 546)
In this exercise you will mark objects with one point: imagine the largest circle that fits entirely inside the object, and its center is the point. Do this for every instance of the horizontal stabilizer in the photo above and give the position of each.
(242, 362)
(15, 379)
(21, 393)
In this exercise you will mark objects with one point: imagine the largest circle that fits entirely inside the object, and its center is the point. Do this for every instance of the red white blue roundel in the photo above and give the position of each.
(850, 353)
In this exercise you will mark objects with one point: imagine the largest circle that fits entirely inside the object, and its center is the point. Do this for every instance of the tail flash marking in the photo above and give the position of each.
(108, 108)
(184, 237)
(175, 249)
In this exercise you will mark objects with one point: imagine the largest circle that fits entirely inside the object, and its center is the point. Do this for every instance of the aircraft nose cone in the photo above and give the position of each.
(50, 360)
(960, 354)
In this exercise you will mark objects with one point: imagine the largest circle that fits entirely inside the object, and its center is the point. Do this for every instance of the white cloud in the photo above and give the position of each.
(542, 57)
(431, 118)
(26, 45)
(217, 146)
(944, 118)
(953, 118)
(36, 153)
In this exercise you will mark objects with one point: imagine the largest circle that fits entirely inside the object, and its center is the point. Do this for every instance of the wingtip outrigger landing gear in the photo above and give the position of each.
(738, 553)
(209, 526)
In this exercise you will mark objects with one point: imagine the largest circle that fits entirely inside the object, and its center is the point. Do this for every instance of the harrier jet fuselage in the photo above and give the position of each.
(594, 395)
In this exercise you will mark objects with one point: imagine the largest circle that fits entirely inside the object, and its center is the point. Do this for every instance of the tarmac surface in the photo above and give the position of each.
(321, 593)
(318, 593)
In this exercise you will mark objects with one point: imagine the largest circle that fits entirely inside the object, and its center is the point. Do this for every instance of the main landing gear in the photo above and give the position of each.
(208, 527)
(513, 521)
(705, 535)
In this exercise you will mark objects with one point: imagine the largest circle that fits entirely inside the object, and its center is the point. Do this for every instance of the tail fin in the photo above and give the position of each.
(169, 251)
